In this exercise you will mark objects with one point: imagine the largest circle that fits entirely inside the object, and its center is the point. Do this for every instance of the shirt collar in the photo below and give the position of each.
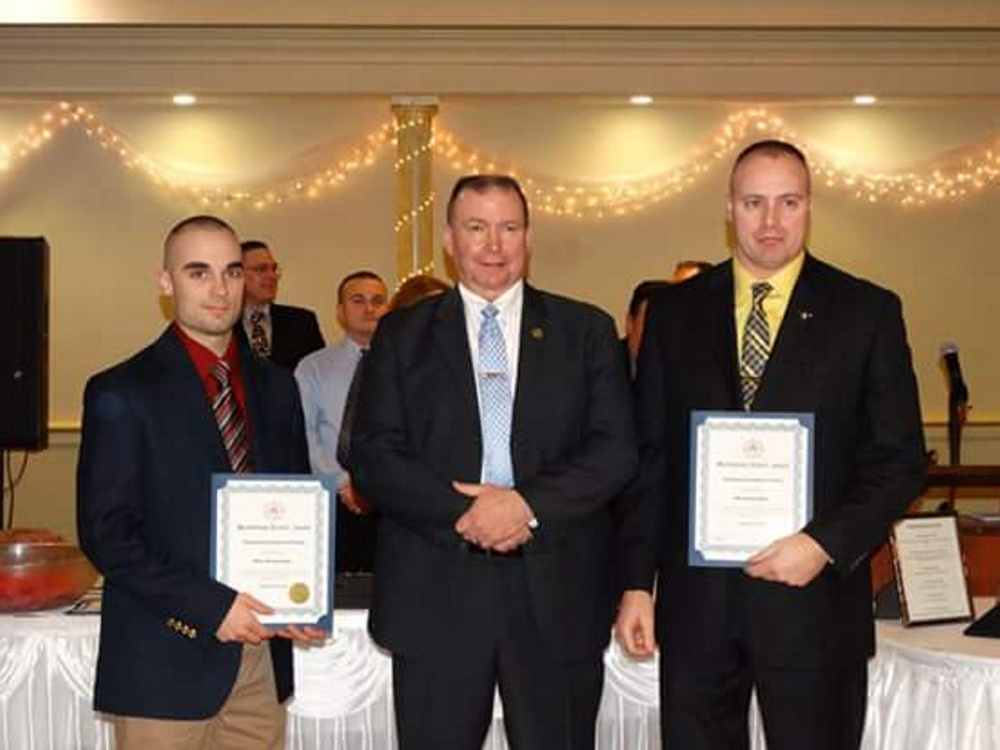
(249, 310)
(781, 283)
(509, 300)
(204, 359)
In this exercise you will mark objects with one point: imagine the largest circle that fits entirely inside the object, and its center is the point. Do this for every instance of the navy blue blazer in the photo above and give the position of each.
(149, 447)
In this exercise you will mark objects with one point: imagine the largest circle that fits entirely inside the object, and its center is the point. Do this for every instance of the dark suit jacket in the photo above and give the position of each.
(573, 449)
(841, 353)
(150, 445)
(294, 334)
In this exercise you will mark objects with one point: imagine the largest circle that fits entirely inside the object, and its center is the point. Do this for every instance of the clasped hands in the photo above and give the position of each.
(241, 624)
(497, 518)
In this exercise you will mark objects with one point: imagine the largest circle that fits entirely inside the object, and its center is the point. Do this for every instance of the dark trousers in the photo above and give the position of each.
(444, 699)
(704, 704)
(355, 552)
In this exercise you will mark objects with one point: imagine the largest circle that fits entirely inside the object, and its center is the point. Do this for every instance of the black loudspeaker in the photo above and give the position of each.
(24, 343)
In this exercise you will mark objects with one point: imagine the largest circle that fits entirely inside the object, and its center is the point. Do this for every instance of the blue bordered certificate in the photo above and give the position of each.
(273, 537)
(751, 483)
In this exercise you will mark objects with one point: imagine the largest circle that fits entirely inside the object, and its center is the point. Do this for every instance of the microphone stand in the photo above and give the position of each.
(957, 409)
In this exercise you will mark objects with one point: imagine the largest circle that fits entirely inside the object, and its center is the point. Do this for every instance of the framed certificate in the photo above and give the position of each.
(751, 483)
(273, 537)
(930, 576)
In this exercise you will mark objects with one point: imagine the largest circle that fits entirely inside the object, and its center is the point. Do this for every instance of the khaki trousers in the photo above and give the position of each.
(250, 719)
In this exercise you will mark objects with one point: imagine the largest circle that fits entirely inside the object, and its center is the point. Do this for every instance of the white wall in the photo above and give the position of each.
(105, 223)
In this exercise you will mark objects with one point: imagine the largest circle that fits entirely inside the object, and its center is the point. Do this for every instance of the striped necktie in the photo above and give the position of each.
(756, 345)
(496, 405)
(229, 417)
(259, 343)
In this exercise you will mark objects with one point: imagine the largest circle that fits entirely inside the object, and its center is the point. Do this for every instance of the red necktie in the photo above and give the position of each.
(229, 417)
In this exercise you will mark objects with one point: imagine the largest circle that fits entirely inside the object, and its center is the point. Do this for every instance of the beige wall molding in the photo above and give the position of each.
(752, 63)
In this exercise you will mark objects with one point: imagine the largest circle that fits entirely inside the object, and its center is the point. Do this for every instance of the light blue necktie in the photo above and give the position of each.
(495, 402)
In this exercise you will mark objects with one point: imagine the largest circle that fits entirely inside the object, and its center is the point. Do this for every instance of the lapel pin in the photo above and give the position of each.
(537, 334)
(805, 315)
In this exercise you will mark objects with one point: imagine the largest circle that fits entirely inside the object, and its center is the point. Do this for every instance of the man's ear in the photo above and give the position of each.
(165, 283)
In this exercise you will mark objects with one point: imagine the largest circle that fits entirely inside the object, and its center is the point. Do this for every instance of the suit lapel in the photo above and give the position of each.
(452, 340)
(185, 403)
(531, 365)
(250, 369)
(722, 329)
(797, 345)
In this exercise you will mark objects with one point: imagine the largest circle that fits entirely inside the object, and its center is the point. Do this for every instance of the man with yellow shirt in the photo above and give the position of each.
(774, 330)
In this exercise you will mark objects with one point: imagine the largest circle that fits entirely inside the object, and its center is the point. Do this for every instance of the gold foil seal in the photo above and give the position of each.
(298, 593)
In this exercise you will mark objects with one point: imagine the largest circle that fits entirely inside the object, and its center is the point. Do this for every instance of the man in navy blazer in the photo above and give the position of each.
(795, 623)
(483, 582)
(183, 660)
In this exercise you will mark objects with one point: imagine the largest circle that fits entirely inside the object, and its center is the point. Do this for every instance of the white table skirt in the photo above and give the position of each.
(930, 689)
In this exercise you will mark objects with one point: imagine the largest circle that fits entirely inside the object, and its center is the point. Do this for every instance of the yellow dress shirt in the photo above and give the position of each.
(775, 303)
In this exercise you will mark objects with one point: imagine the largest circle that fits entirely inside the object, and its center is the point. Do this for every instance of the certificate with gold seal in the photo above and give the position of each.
(750, 484)
(272, 537)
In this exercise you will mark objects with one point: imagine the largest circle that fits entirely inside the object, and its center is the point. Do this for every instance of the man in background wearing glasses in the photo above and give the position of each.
(280, 333)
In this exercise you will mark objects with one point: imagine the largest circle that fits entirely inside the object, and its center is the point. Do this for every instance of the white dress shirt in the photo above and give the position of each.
(510, 305)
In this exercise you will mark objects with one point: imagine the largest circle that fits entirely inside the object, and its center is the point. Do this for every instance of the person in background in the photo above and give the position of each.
(326, 379)
(280, 333)
(184, 663)
(773, 330)
(416, 289)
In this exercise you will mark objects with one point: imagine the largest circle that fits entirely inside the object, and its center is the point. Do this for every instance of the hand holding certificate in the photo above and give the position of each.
(272, 540)
(751, 483)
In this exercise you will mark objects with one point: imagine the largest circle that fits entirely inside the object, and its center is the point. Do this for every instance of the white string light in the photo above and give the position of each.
(964, 172)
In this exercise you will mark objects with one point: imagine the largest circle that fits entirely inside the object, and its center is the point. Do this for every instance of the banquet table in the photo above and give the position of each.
(930, 689)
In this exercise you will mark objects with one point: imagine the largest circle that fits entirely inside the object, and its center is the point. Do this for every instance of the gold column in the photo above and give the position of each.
(414, 169)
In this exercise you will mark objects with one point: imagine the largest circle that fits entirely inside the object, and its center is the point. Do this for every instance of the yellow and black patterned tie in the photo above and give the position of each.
(756, 345)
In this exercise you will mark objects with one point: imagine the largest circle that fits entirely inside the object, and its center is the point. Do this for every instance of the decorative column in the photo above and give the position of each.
(414, 168)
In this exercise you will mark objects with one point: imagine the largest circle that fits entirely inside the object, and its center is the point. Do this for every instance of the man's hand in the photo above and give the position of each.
(497, 518)
(305, 634)
(793, 560)
(241, 624)
(634, 626)
(352, 500)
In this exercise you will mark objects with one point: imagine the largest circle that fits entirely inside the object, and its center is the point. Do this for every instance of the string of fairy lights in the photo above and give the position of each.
(962, 173)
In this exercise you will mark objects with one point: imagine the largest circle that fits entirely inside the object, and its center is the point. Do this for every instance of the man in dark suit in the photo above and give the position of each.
(494, 429)
(184, 661)
(280, 333)
(795, 623)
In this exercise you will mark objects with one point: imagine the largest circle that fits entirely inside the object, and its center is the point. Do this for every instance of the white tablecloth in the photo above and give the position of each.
(930, 689)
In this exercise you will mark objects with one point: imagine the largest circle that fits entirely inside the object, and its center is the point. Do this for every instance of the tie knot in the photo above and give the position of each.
(221, 372)
(257, 316)
(760, 290)
(490, 312)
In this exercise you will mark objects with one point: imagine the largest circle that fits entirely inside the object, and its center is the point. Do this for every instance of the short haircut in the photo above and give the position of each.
(204, 222)
(248, 246)
(416, 289)
(481, 183)
(353, 277)
(643, 292)
(774, 149)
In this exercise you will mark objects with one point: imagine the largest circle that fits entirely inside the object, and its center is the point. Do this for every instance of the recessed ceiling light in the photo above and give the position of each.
(184, 100)
(865, 100)
(641, 100)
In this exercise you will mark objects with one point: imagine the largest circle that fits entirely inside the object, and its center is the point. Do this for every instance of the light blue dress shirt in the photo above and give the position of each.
(324, 378)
